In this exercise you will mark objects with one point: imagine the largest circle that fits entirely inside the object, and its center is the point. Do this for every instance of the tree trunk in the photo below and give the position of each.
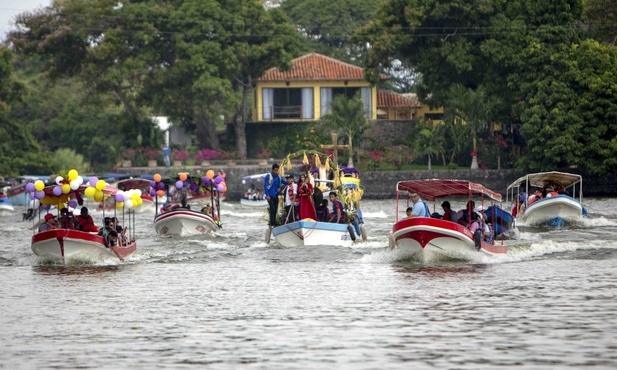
(240, 121)
(206, 132)
(429, 162)
(350, 161)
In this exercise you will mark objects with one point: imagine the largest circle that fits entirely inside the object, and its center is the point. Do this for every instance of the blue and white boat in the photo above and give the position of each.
(560, 205)
(307, 233)
(254, 196)
(6, 208)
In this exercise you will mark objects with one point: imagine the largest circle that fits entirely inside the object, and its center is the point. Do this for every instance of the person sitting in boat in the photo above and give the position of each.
(537, 195)
(550, 192)
(522, 200)
(322, 211)
(306, 208)
(338, 211)
(183, 203)
(419, 208)
(487, 228)
(408, 212)
(86, 222)
(207, 209)
(448, 212)
(67, 220)
(469, 218)
(49, 223)
(119, 229)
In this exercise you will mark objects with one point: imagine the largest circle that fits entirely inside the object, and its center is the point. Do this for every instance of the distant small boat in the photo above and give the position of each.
(253, 197)
(6, 208)
(184, 222)
(18, 196)
(555, 208)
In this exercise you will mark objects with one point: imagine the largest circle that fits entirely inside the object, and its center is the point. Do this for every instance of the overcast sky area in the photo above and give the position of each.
(10, 8)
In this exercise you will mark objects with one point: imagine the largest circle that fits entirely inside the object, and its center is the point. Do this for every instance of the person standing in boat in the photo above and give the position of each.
(306, 205)
(272, 183)
(338, 211)
(290, 200)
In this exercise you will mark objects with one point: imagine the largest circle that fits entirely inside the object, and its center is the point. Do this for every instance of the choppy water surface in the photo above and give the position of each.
(231, 301)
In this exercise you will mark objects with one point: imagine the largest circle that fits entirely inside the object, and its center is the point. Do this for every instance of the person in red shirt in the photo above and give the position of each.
(86, 222)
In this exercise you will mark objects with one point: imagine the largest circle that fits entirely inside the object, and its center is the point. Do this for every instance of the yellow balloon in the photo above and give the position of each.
(120, 205)
(98, 195)
(100, 185)
(39, 185)
(64, 198)
(72, 175)
(46, 200)
(210, 174)
(89, 192)
(66, 188)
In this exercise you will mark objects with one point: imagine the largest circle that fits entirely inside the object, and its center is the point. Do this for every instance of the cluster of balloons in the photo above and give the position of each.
(123, 199)
(218, 182)
(59, 192)
(157, 188)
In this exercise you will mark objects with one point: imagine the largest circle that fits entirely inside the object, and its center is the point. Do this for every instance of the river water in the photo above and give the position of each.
(231, 301)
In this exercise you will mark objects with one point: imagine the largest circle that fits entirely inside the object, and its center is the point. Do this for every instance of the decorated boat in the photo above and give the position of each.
(180, 219)
(428, 238)
(18, 195)
(323, 177)
(254, 195)
(558, 203)
(65, 241)
(143, 184)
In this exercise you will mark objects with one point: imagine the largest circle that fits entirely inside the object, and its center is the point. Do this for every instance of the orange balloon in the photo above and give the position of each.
(157, 177)
(183, 176)
(160, 193)
(210, 174)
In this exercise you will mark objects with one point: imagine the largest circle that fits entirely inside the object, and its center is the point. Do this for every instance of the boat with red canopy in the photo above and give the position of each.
(68, 243)
(428, 237)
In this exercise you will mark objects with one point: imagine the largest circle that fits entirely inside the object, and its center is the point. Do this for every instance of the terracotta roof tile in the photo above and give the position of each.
(315, 67)
(388, 98)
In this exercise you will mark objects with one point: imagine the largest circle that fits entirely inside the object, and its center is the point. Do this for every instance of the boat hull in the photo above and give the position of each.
(310, 233)
(556, 211)
(6, 209)
(184, 223)
(427, 238)
(262, 203)
(64, 244)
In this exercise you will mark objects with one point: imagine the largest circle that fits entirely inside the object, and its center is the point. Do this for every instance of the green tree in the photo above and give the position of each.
(428, 141)
(601, 18)
(347, 117)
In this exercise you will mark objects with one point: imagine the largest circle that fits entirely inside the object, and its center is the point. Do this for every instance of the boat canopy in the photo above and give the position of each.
(137, 183)
(437, 188)
(255, 177)
(49, 191)
(541, 179)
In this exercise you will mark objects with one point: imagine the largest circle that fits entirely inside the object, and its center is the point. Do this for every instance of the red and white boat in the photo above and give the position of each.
(427, 238)
(185, 222)
(67, 244)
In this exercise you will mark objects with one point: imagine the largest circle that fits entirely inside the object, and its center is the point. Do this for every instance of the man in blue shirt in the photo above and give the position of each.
(418, 209)
(272, 183)
(166, 155)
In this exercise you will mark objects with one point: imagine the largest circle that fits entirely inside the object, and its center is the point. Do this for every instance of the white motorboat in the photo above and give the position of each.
(305, 233)
(184, 222)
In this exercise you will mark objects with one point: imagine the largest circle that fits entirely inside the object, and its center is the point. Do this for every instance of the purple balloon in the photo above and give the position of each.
(152, 192)
(119, 198)
(193, 187)
(179, 184)
(47, 207)
(93, 180)
(32, 196)
(72, 203)
(153, 183)
(30, 187)
(161, 186)
(220, 188)
(57, 190)
(206, 181)
(40, 194)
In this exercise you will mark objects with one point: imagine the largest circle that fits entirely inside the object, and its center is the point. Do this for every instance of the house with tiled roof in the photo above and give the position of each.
(305, 92)
(394, 106)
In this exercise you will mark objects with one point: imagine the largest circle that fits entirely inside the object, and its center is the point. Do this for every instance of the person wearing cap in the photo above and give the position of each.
(50, 223)
(67, 220)
(290, 200)
(86, 222)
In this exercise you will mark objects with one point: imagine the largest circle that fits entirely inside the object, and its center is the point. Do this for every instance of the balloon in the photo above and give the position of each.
(74, 185)
(39, 185)
(98, 195)
(32, 196)
(193, 187)
(179, 184)
(217, 180)
(161, 186)
(46, 200)
(210, 174)
(89, 192)
(220, 187)
(30, 187)
(66, 188)
(72, 175)
(80, 180)
(152, 192)
(119, 198)
(153, 184)
(72, 203)
(157, 177)
(160, 193)
(39, 194)
(35, 203)
(128, 204)
(100, 185)
(93, 180)
(206, 181)
(57, 190)
(183, 176)
(59, 180)
(119, 204)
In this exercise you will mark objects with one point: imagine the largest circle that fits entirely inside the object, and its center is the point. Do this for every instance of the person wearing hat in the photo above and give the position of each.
(50, 223)
(290, 196)
(67, 220)
(86, 222)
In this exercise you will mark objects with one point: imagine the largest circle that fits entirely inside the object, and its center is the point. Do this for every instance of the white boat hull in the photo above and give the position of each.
(184, 223)
(63, 244)
(428, 239)
(554, 211)
(308, 233)
(6, 209)
(262, 203)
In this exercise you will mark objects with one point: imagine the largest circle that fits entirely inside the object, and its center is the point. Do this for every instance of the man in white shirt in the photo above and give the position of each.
(291, 200)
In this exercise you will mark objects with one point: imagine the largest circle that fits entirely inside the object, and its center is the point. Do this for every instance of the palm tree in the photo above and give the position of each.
(347, 116)
(428, 141)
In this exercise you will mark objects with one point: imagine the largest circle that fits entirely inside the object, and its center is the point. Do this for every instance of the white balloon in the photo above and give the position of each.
(74, 184)
(59, 180)
(35, 203)
(128, 204)
(80, 180)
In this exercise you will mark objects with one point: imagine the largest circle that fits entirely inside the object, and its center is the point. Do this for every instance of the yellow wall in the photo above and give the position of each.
(316, 85)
